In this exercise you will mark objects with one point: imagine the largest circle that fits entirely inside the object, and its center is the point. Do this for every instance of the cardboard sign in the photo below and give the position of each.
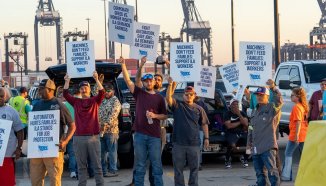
(5, 128)
(185, 61)
(80, 59)
(120, 23)
(206, 86)
(145, 41)
(43, 134)
(255, 63)
(230, 76)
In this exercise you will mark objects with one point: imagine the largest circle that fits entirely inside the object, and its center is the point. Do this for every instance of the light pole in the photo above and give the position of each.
(232, 31)
(106, 37)
(276, 35)
(88, 19)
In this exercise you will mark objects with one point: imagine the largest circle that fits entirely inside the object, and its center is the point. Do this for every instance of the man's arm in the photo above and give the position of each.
(156, 116)
(169, 93)
(230, 125)
(66, 94)
(206, 135)
(278, 101)
(139, 73)
(126, 77)
(69, 122)
(20, 139)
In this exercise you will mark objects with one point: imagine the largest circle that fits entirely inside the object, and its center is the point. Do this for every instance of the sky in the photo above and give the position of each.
(254, 21)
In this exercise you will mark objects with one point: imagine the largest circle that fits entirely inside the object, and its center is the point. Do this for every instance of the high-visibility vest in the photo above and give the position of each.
(19, 103)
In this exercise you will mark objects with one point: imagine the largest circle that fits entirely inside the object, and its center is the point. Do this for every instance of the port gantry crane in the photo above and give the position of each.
(197, 29)
(46, 15)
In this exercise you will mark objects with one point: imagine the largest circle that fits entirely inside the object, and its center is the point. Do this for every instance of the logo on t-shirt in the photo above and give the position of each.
(4, 116)
(234, 119)
(55, 107)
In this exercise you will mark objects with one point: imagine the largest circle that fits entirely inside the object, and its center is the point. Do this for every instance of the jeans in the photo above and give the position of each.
(147, 147)
(201, 137)
(109, 143)
(180, 154)
(72, 159)
(267, 159)
(287, 166)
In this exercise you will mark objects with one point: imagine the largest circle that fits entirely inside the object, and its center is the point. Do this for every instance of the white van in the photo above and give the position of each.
(306, 74)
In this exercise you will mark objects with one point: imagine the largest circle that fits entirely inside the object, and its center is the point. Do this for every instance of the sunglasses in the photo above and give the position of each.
(109, 90)
(147, 76)
(189, 94)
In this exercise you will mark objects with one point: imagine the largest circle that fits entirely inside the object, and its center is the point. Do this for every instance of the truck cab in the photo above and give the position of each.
(304, 73)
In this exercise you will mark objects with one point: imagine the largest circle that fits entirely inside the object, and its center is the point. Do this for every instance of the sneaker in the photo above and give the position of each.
(228, 165)
(244, 162)
(73, 175)
(111, 174)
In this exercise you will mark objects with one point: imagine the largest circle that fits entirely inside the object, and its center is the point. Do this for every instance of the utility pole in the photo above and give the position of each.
(88, 19)
(277, 35)
(232, 31)
(106, 37)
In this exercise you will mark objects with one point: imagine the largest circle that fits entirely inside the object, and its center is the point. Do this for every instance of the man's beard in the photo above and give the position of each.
(156, 87)
(149, 88)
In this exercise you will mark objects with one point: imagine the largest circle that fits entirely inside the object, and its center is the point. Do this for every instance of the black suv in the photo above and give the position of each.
(111, 71)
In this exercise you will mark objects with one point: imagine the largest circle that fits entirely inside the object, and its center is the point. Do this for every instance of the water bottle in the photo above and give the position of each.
(150, 120)
(125, 107)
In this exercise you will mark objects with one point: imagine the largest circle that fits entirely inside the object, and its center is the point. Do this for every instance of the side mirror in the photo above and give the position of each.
(285, 84)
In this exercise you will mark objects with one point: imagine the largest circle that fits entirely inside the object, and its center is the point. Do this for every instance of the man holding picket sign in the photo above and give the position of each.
(39, 167)
(87, 140)
(7, 172)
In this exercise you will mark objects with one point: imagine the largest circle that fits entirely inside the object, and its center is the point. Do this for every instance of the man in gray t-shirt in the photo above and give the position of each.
(186, 142)
(7, 173)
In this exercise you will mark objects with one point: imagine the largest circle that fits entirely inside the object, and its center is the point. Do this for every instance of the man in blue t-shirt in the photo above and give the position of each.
(186, 141)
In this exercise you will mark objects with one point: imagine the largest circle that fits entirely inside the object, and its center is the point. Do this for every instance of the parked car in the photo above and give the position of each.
(111, 72)
(305, 74)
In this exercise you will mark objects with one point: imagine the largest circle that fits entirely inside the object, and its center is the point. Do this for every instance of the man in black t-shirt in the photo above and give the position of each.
(52, 166)
(236, 123)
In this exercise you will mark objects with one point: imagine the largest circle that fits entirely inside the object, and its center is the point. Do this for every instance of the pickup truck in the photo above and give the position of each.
(307, 74)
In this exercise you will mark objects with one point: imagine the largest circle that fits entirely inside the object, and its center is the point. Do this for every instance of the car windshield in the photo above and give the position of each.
(315, 72)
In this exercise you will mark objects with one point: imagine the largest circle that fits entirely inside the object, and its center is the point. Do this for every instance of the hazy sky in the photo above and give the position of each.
(253, 19)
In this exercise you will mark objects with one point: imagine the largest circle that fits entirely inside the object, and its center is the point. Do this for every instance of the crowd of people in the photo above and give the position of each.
(89, 129)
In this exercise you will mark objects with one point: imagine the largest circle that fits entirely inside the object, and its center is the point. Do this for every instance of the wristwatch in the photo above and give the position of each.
(206, 138)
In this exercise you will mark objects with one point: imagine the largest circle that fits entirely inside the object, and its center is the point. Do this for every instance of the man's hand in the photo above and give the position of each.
(95, 76)
(143, 61)
(150, 115)
(121, 60)
(206, 143)
(101, 78)
(67, 78)
(62, 144)
(167, 63)
(170, 80)
(17, 153)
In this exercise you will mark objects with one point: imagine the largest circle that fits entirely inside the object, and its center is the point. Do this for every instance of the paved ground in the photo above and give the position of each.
(213, 173)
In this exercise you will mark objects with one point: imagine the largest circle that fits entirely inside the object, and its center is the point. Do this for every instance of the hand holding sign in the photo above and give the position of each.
(95, 76)
(121, 60)
(67, 78)
(143, 61)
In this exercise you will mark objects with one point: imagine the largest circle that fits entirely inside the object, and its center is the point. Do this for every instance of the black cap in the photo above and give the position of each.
(47, 83)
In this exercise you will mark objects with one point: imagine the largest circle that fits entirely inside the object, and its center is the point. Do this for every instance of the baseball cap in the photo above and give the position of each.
(262, 90)
(233, 100)
(23, 89)
(190, 89)
(147, 76)
(84, 83)
(47, 83)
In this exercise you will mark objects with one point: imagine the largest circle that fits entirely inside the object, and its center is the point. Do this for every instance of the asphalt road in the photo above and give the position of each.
(213, 173)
